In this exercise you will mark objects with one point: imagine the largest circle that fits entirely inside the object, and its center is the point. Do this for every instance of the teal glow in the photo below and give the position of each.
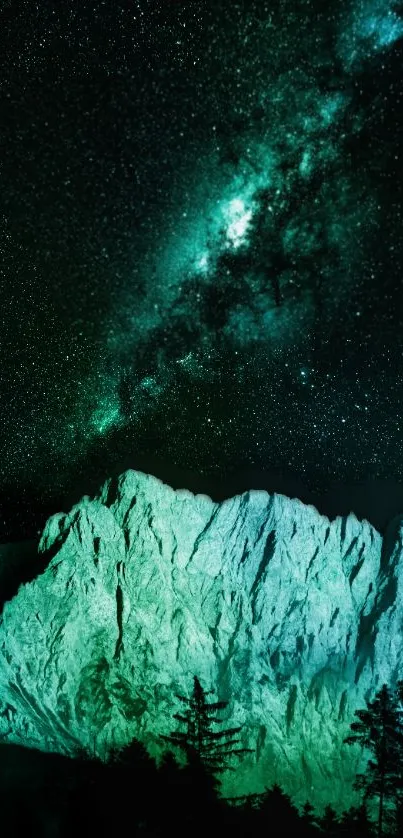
(203, 263)
(214, 222)
(330, 108)
(373, 26)
(306, 165)
(106, 416)
(385, 31)
(150, 386)
(238, 218)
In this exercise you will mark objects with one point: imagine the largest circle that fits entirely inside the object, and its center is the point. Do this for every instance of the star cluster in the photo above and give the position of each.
(201, 248)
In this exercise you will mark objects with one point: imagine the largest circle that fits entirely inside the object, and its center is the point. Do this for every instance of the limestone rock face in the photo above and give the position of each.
(292, 618)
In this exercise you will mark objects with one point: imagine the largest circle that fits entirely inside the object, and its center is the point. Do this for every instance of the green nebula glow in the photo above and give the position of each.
(331, 106)
(106, 416)
(150, 386)
(246, 239)
(238, 218)
(307, 163)
(373, 26)
(383, 30)
(203, 263)
(259, 241)
(302, 120)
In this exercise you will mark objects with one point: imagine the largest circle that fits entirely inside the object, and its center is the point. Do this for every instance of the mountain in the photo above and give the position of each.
(294, 619)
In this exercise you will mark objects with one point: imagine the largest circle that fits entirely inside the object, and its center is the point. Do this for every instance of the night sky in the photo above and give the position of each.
(201, 250)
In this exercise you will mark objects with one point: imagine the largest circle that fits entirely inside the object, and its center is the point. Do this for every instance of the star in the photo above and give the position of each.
(202, 255)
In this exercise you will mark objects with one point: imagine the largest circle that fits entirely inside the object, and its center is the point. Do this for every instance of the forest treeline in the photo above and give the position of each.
(130, 792)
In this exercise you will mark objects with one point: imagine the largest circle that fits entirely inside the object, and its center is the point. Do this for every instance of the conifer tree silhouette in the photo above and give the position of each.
(379, 729)
(214, 748)
(355, 823)
(308, 820)
(329, 822)
(208, 752)
(276, 807)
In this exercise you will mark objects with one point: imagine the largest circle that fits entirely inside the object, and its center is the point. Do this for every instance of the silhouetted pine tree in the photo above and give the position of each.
(329, 822)
(399, 819)
(170, 788)
(108, 795)
(187, 796)
(133, 779)
(309, 824)
(243, 814)
(379, 729)
(355, 822)
(208, 752)
(213, 747)
(276, 808)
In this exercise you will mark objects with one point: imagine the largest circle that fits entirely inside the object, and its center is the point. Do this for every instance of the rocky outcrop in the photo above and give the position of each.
(294, 619)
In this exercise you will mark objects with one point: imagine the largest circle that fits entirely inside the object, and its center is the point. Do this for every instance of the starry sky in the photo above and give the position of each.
(201, 250)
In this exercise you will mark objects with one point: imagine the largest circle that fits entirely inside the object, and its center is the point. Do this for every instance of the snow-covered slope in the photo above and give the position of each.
(293, 618)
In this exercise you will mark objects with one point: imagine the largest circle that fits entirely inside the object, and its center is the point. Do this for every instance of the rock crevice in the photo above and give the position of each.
(293, 618)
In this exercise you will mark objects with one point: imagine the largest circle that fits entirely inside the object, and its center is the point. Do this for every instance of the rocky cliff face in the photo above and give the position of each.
(295, 619)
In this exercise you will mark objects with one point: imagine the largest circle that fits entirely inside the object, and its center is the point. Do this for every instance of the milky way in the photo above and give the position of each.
(201, 240)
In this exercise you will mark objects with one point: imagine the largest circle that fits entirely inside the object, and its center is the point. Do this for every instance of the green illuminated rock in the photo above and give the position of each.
(294, 618)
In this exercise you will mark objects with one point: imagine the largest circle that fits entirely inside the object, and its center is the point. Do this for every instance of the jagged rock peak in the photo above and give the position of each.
(291, 616)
